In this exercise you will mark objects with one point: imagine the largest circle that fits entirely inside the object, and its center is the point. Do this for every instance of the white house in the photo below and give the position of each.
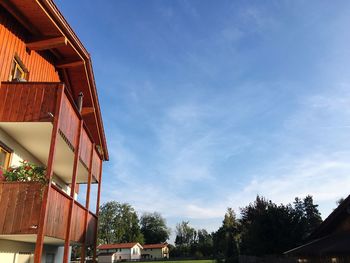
(109, 253)
(155, 251)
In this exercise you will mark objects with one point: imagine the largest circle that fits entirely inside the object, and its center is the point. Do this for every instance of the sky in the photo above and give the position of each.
(208, 103)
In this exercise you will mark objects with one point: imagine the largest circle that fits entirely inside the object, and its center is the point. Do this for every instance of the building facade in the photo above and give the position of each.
(110, 253)
(155, 251)
(49, 117)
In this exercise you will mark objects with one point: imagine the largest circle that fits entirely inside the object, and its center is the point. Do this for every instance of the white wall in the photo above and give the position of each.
(20, 154)
(9, 251)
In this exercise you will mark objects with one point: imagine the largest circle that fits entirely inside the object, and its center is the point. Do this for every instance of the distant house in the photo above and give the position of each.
(155, 251)
(330, 242)
(110, 253)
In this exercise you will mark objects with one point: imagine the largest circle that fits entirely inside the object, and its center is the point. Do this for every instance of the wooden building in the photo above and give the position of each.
(49, 115)
(330, 242)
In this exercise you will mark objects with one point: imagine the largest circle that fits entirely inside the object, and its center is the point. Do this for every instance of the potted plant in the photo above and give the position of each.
(26, 172)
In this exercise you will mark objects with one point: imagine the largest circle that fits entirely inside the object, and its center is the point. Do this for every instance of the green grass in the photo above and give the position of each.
(186, 261)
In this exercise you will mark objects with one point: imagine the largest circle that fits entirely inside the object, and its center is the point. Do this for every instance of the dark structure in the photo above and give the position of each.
(330, 242)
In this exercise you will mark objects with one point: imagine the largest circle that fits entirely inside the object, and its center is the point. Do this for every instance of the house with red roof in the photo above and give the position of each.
(155, 251)
(109, 253)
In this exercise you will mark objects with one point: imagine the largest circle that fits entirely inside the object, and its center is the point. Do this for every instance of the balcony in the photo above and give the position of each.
(27, 114)
(20, 204)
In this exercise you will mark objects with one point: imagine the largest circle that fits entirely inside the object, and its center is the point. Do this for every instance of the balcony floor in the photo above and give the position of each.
(32, 239)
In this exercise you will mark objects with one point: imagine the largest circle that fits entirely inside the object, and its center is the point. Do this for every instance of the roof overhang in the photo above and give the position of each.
(48, 30)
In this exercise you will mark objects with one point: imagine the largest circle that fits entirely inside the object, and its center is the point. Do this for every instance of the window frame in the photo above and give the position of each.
(8, 151)
(17, 64)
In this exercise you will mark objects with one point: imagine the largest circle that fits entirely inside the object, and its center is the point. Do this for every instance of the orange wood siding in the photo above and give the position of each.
(85, 146)
(25, 101)
(57, 219)
(12, 41)
(77, 230)
(91, 226)
(20, 207)
(69, 122)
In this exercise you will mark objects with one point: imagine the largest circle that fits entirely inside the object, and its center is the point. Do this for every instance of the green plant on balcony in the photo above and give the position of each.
(26, 172)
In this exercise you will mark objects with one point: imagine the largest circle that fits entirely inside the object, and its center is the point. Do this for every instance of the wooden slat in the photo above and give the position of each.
(27, 101)
(86, 147)
(12, 37)
(57, 220)
(77, 229)
(20, 207)
(90, 232)
(69, 123)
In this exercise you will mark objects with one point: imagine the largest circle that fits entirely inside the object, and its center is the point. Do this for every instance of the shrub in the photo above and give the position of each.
(26, 172)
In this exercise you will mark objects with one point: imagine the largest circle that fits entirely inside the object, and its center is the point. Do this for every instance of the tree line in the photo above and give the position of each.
(262, 228)
(119, 223)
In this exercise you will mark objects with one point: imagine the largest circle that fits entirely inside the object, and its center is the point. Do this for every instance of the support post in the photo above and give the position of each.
(97, 209)
(49, 172)
(87, 205)
(72, 192)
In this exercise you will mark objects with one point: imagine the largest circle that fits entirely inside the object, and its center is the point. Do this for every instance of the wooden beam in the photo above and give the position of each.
(49, 173)
(70, 64)
(97, 212)
(72, 192)
(87, 110)
(48, 43)
(87, 206)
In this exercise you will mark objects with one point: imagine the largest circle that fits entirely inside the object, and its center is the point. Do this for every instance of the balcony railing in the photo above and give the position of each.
(20, 204)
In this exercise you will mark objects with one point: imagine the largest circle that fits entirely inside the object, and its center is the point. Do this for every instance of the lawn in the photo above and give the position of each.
(186, 261)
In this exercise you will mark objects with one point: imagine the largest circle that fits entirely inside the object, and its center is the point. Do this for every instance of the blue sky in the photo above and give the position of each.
(208, 103)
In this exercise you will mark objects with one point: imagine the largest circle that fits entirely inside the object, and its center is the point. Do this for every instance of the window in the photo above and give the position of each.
(18, 71)
(50, 258)
(4, 157)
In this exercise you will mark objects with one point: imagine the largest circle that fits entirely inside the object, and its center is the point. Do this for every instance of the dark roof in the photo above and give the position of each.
(337, 244)
(330, 224)
(332, 237)
(119, 245)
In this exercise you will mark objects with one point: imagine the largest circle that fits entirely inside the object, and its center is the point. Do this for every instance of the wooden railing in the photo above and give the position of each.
(57, 219)
(20, 205)
(22, 101)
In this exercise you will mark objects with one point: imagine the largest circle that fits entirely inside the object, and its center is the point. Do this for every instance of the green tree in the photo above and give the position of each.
(185, 234)
(118, 223)
(268, 228)
(312, 215)
(154, 228)
(225, 239)
(185, 239)
(204, 243)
